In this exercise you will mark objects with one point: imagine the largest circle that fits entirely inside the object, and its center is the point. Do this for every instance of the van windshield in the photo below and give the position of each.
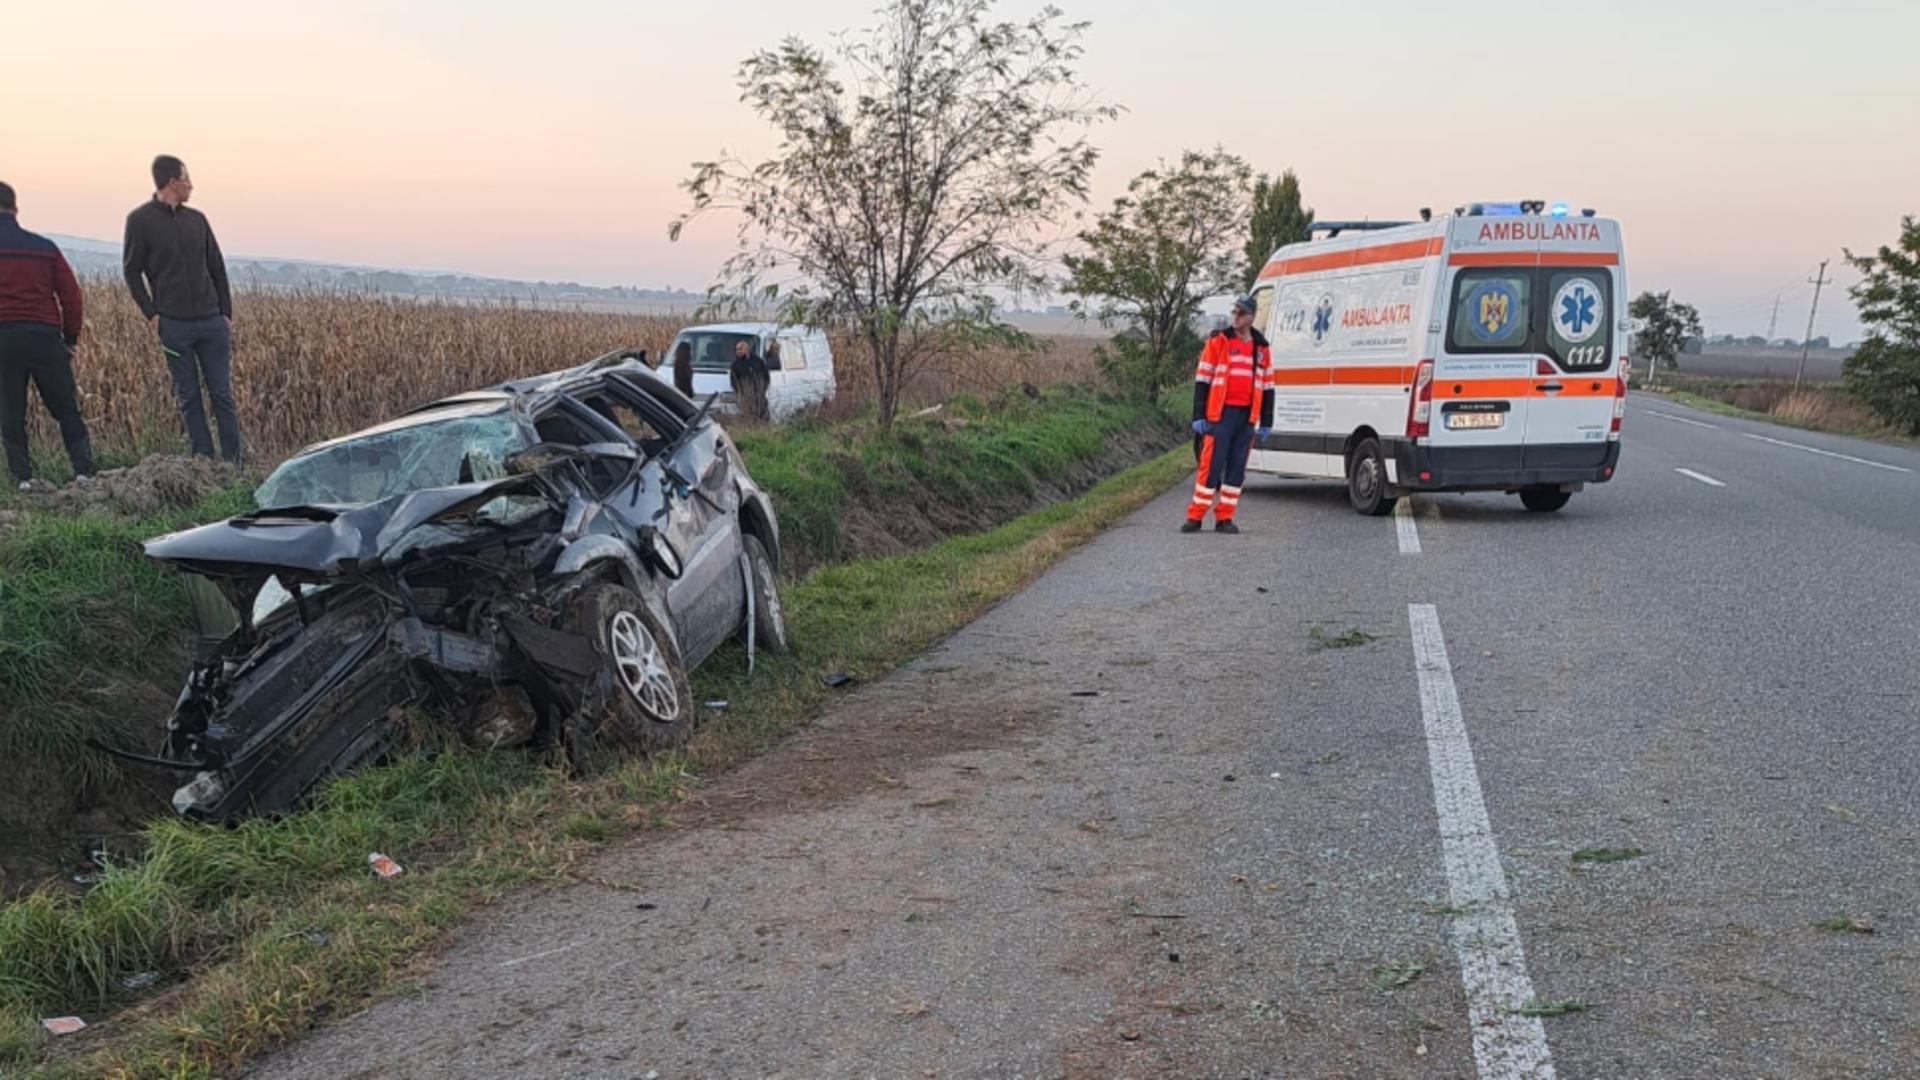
(713, 349)
(1563, 313)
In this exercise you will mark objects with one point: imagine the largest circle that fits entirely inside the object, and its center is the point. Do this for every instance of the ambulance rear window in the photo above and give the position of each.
(1492, 311)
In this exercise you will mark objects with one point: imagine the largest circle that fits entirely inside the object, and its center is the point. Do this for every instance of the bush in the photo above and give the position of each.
(1885, 371)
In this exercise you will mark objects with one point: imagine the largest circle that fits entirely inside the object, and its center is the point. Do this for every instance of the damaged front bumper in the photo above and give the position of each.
(379, 609)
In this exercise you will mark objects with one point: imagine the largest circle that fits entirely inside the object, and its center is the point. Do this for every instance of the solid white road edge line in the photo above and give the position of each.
(1403, 522)
(1681, 419)
(1702, 477)
(1827, 453)
(1493, 968)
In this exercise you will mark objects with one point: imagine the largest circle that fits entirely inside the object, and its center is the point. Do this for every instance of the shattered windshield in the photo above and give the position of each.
(436, 449)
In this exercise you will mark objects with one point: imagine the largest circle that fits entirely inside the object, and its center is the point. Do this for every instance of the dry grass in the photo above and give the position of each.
(309, 365)
(1824, 406)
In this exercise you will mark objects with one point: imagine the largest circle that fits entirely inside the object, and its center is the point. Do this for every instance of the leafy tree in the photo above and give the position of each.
(1885, 371)
(917, 173)
(1665, 324)
(1278, 218)
(1174, 239)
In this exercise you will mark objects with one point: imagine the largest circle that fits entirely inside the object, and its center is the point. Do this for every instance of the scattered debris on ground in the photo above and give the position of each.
(1562, 1007)
(1845, 924)
(1353, 636)
(1606, 854)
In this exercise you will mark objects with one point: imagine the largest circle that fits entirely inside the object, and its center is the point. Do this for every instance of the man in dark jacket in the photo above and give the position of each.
(750, 381)
(40, 318)
(179, 279)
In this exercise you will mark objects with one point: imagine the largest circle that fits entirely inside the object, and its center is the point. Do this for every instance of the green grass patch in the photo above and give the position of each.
(280, 922)
(968, 456)
(82, 610)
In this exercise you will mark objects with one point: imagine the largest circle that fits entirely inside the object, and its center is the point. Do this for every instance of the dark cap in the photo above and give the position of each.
(1246, 304)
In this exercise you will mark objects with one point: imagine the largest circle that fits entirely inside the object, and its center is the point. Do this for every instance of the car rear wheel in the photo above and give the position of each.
(769, 618)
(641, 701)
(1544, 500)
(1367, 479)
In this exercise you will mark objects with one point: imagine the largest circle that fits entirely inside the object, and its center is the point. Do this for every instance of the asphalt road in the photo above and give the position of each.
(1154, 818)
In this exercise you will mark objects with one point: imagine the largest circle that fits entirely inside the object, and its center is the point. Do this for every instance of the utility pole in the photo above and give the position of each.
(1773, 319)
(1806, 342)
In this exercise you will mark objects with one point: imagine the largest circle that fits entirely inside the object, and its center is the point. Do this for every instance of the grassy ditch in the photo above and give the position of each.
(261, 931)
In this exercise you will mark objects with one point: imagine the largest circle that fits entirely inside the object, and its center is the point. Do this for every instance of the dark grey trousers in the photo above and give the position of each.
(201, 351)
(38, 355)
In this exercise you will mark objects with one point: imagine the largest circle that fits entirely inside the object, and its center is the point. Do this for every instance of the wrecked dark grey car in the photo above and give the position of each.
(541, 561)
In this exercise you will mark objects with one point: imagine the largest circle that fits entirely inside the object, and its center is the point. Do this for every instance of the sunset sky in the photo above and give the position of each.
(1739, 143)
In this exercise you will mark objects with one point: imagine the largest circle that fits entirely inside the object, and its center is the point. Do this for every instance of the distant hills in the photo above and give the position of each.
(90, 257)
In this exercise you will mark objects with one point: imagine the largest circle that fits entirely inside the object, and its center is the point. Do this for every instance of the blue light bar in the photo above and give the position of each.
(1559, 209)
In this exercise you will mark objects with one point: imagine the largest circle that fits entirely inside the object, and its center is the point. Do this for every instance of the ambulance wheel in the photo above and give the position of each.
(1544, 500)
(1367, 480)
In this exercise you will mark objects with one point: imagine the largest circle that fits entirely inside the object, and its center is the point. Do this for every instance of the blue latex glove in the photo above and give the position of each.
(1201, 427)
(1261, 433)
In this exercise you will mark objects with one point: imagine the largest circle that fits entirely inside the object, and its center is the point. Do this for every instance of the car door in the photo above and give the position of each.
(690, 496)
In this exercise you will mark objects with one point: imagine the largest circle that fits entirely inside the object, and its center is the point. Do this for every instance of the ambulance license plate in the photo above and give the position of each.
(1460, 420)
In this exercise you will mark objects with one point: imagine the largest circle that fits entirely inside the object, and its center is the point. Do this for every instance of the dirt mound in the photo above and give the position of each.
(156, 483)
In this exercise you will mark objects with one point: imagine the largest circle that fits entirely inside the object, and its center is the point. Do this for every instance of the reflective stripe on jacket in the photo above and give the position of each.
(1223, 352)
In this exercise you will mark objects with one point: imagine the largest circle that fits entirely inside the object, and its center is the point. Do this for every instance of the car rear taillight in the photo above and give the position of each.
(1420, 409)
(1619, 405)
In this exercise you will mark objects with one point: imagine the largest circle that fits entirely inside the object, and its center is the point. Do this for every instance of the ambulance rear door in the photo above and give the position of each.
(1580, 285)
(1482, 373)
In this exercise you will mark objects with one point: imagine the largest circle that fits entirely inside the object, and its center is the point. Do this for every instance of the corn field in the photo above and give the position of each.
(311, 365)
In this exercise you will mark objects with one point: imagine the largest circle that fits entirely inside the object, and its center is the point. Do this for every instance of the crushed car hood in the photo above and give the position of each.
(318, 541)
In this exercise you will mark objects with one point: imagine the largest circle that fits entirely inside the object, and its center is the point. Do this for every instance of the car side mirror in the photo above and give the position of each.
(772, 361)
(541, 457)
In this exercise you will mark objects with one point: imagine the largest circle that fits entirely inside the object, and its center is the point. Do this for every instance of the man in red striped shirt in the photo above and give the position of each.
(1232, 387)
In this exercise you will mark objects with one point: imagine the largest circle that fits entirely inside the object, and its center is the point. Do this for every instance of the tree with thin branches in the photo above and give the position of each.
(921, 170)
(1174, 239)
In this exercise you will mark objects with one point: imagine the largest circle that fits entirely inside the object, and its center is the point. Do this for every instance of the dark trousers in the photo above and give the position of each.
(201, 351)
(1222, 465)
(38, 355)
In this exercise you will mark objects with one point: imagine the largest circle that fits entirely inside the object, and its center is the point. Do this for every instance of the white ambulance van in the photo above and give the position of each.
(1482, 350)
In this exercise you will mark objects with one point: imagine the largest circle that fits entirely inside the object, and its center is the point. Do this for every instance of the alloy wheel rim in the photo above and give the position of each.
(642, 668)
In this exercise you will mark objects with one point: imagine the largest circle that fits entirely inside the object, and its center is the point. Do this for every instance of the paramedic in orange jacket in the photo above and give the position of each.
(1232, 406)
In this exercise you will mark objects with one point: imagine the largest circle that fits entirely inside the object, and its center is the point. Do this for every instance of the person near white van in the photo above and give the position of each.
(1232, 386)
(795, 362)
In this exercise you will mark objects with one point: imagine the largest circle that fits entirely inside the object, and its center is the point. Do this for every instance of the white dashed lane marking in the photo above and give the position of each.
(1702, 477)
(1403, 523)
(1493, 967)
(1682, 419)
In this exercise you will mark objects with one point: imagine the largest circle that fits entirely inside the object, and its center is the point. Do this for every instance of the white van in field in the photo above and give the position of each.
(1482, 350)
(803, 375)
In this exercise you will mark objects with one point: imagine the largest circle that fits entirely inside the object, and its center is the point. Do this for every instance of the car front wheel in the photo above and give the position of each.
(642, 700)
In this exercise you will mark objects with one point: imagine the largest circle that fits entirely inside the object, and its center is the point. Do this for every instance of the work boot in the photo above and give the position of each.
(1187, 526)
(1225, 527)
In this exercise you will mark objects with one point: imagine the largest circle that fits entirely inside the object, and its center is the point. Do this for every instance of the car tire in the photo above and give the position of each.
(769, 615)
(1367, 480)
(1544, 500)
(640, 701)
